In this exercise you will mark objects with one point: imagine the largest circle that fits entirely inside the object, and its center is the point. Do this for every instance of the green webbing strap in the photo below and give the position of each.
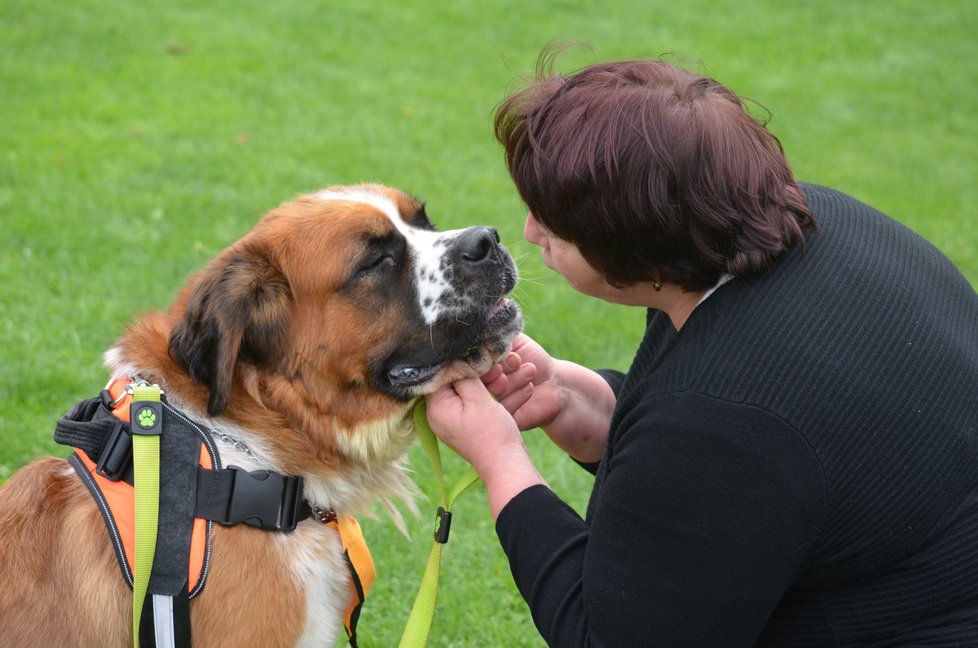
(419, 622)
(146, 423)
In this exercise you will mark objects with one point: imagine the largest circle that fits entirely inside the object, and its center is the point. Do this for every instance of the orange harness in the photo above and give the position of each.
(115, 498)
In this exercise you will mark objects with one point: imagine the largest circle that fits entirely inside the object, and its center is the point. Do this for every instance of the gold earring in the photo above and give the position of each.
(657, 285)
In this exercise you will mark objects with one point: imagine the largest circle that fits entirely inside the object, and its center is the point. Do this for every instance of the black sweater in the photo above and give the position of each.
(797, 467)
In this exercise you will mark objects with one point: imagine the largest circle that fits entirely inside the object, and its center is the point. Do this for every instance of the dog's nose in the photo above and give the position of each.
(477, 243)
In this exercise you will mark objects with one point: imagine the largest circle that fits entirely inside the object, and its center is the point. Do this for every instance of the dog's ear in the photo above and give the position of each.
(238, 310)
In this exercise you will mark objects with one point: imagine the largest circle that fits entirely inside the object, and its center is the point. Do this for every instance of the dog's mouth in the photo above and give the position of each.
(476, 350)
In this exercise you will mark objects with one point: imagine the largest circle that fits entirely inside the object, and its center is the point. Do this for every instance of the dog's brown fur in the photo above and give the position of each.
(273, 339)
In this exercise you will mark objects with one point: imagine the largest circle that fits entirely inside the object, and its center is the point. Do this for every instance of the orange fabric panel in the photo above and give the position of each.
(119, 496)
(198, 540)
(351, 536)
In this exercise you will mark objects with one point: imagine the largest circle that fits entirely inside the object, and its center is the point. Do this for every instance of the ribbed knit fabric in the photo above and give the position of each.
(797, 467)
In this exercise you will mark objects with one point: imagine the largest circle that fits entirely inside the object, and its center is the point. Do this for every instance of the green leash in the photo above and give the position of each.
(146, 424)
(419, 622)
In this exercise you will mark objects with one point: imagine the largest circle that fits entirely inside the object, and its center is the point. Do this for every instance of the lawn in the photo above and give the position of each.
(139, 139)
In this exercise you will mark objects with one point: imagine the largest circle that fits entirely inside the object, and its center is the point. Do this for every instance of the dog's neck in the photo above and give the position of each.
(359, 466)
(352, 490)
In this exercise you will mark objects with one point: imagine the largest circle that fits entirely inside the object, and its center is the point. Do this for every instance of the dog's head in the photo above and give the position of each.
(350, 299)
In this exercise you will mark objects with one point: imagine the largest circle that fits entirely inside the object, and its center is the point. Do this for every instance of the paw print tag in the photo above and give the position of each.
(146, 418)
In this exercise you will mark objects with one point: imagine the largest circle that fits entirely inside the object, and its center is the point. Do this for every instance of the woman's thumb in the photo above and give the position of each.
(470, 389)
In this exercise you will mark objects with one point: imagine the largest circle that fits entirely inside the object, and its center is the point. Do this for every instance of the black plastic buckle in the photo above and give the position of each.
(116, 454)
(444, 525)
(264, 499)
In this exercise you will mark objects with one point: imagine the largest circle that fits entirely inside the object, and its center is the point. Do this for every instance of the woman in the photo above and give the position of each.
(792, 458)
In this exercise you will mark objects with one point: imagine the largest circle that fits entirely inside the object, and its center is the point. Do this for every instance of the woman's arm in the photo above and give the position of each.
(705, 515)
(581, 425)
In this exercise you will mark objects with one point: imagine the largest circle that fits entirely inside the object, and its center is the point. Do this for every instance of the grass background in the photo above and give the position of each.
(139, 139)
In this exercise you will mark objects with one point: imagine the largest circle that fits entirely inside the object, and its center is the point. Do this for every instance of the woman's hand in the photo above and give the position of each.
(465, 416)
(571, 403)
(523, 382)
(467, 419)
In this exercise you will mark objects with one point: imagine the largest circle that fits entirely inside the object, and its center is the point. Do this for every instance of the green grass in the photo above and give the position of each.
(138, 139)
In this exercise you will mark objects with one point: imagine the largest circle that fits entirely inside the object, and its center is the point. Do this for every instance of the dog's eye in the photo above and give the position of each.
(382, 261)
(373, 265)
(379, 256)
(376, 264)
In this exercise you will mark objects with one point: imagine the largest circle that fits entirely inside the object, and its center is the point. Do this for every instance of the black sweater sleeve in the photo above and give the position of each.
(613, 377)
(706, 512)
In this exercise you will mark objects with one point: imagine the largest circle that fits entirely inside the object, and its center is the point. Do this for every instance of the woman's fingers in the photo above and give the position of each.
(518, 398)
(506, 365)
(505, 384)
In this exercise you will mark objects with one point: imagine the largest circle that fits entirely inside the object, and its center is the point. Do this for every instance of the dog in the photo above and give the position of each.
(302, 348)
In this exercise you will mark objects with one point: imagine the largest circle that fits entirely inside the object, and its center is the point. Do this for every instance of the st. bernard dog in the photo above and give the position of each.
(302, 348)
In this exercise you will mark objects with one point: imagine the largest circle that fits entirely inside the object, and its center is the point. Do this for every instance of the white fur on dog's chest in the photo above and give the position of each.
(313, 552)
(315, 558)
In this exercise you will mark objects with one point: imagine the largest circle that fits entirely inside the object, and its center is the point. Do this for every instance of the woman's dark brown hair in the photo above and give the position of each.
(652, 172)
